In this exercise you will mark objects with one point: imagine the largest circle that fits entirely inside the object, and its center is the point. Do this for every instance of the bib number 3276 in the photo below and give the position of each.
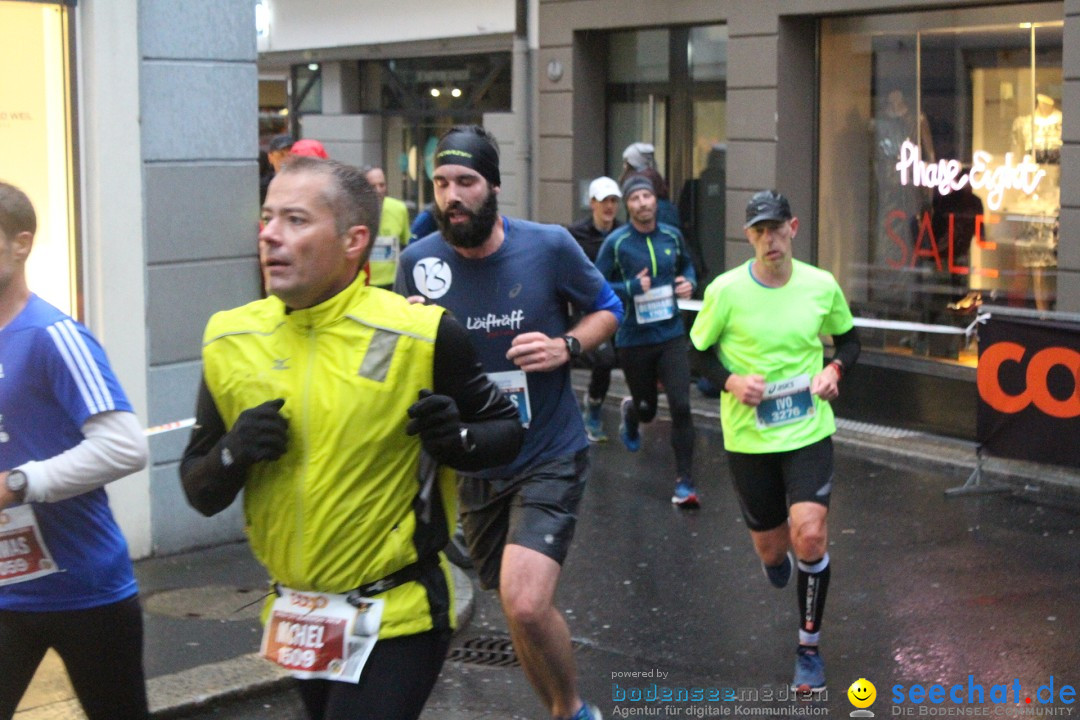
(785, 402)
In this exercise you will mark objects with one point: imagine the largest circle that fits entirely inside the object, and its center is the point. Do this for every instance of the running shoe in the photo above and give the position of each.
(588, 711)
(779, 575)
(594, 420)
(628, 430)
(685, 496)
(809, 670)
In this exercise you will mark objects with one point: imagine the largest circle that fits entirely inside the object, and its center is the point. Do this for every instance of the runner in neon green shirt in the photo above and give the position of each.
(759, 329)
(393, 232)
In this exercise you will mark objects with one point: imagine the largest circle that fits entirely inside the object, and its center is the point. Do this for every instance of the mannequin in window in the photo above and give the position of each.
(896, 209)
(1038, 134)
(954, 228)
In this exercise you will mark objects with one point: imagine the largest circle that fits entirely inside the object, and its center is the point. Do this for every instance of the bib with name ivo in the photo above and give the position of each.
(785, 402)
(23, 554)
(655, 305)
(322, 636)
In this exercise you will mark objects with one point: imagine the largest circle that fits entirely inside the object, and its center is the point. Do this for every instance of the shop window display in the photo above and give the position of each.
(35, 138)
(940, 166)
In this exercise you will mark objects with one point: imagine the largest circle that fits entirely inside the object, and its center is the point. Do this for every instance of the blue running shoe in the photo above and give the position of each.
(628, 431)
(594, 420)
(809, 670)
(779, 575)
(685, 496)
(588, 711)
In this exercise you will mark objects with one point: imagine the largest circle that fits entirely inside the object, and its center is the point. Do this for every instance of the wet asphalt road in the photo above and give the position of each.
(925, 589)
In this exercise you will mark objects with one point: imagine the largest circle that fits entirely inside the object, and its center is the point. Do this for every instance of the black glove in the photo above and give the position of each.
(260, 433)
(435, 418)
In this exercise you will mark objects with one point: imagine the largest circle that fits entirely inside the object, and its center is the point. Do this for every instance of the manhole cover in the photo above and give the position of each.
(485, 650)
(491, 651)
(209, 602)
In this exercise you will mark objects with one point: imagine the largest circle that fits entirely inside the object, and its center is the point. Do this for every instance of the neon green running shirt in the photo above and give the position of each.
(774, 332)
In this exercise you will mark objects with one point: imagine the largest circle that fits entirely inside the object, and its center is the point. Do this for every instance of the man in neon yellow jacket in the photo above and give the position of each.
(335, 406)
(393, 232)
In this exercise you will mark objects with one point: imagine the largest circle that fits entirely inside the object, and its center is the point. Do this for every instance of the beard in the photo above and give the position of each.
(474, 231)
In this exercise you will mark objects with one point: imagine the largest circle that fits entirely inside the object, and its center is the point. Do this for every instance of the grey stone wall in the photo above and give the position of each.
(199, 132)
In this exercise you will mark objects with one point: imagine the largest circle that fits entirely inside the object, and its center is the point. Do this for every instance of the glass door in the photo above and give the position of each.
(667, 87)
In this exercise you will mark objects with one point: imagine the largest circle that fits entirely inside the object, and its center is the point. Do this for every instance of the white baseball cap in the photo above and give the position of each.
(604, 187)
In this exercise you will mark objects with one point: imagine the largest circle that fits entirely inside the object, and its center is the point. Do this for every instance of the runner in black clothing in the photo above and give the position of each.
(590, 232)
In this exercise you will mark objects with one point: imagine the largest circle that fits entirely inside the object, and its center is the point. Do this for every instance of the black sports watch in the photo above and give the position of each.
(16, 483)
(573, 346)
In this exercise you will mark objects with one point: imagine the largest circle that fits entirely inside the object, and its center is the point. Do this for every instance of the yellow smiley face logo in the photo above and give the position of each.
(862, 693)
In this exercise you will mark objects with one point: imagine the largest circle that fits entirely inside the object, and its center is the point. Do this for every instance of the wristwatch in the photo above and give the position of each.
(16, 483)
(573, 346)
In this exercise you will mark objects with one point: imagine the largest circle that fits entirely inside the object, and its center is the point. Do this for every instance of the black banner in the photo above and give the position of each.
(1029, 389)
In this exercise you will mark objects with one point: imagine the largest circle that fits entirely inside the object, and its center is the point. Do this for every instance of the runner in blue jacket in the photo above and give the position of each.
(649, 268)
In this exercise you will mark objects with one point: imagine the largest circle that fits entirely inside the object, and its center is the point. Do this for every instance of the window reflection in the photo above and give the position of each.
(952, 123)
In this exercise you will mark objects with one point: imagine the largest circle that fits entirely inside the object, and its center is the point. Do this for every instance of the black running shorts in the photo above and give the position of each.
(768, 483)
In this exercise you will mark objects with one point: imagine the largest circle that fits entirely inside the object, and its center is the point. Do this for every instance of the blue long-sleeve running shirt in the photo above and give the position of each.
(651, 317)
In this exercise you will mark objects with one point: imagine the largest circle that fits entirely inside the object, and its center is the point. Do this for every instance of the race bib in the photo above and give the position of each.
(23, 555)
(321, 635)
(785, 402)
(515, 386)
(655, 305)
(385, 249)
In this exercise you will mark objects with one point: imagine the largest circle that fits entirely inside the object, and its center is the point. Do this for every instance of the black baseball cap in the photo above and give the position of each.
(280, 142)
(767, 205)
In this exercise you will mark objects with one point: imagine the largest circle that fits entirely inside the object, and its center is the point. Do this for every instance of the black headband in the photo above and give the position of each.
(460, 147)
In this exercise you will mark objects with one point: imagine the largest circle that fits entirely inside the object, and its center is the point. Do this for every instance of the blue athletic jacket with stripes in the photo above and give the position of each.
(54, 376)
(625, 253)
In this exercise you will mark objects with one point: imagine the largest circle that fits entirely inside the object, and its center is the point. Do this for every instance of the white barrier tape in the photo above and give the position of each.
(695, 305)
(169, 427)
(912, 326)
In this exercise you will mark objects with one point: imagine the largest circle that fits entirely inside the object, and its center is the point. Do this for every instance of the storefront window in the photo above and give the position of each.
(421, 98)
(640, 56)
(940, 166)
(707, 52)
(35, 138)
(431, 85)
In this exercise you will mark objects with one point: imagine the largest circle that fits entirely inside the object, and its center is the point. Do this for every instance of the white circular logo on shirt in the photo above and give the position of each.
(432, 276)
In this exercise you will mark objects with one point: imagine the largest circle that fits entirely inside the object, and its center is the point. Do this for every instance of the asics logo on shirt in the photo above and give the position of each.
(281, 364)
(514, 292)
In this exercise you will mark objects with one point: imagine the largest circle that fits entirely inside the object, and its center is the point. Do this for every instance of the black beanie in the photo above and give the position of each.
(469, 146)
